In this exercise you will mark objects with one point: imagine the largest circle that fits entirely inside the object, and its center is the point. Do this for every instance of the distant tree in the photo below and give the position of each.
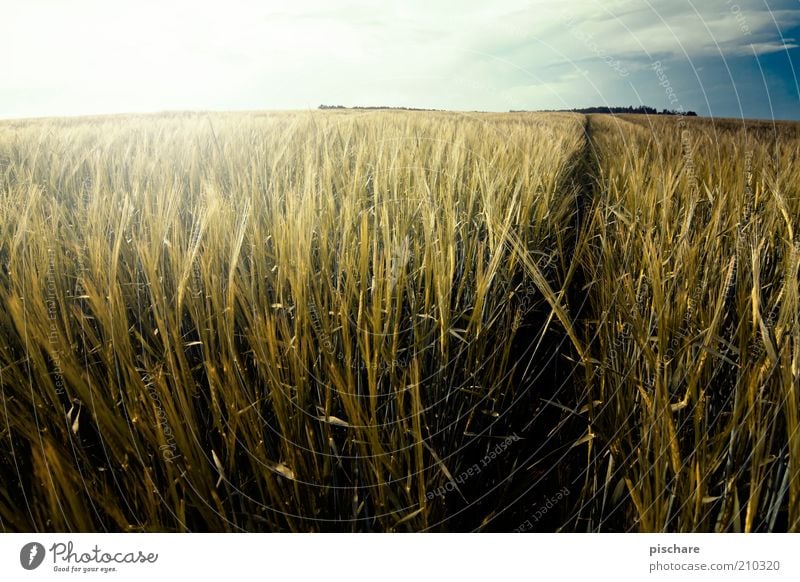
(637, 109)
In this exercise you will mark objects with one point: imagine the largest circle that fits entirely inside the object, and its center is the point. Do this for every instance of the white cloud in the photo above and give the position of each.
(95, 56)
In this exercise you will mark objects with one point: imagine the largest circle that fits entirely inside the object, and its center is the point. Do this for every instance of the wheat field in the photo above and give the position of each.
(399, 321)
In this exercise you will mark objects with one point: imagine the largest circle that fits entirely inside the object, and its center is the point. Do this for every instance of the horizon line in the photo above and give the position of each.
(409, 109)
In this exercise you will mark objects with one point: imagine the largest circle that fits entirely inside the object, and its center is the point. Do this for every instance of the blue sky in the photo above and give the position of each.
(726, 58)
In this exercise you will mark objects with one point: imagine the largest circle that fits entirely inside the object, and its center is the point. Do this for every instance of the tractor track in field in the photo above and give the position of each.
(552, 387)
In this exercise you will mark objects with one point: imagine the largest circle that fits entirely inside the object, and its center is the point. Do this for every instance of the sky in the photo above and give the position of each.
(723, 58)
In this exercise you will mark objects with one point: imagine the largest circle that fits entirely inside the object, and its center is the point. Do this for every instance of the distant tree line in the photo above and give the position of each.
(374, 107)
(641, 109)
